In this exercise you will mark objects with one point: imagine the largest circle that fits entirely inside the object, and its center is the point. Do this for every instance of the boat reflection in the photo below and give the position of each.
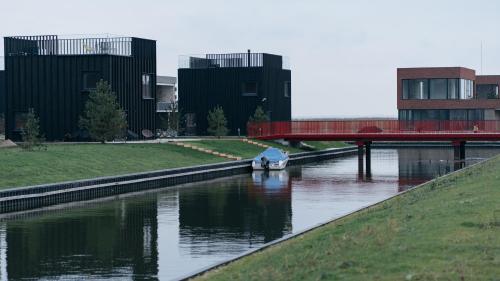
(272, 181)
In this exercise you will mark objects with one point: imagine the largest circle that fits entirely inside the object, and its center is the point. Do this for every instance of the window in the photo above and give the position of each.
(419, 89)
(458, 114)
(90, 80)
(249, 89)
(438, 89)
(487, 91)
(147, 86)
(475, 114)
(453, 89)
(466, 89)
(406, 89)
(288, 89)
(20, 119)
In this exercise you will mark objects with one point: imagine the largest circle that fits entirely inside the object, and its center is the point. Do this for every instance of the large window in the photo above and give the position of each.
(466, 89)
(441, 114)
(487, 91)
(438, 89)
(419, 89)
(453, 89)
(249, 89)
(147, 86)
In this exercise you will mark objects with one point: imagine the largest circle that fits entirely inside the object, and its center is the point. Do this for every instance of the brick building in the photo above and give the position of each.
(447, 93)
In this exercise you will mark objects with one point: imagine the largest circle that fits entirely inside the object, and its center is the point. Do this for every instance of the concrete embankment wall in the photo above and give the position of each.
(33, 197)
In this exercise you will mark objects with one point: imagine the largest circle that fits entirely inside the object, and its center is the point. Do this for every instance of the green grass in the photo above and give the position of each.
(239, 148)
(321, 145)
(82, 161)
(447, 230)
(246, 150)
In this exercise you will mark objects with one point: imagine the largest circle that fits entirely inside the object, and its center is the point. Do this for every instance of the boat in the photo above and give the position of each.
(271, 159)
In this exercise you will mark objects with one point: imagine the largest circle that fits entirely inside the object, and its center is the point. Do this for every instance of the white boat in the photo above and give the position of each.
(271, 159)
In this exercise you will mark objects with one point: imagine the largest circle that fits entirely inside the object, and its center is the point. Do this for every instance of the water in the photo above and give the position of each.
(172, 232)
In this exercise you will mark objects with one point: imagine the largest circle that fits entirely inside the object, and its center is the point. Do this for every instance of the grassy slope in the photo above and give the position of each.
(238, 148)
(320, 145)
(75, 161)
(81, 161)
(246, 150)
(447, 230)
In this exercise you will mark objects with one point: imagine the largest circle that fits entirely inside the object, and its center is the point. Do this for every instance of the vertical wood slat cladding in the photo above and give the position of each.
(2, 92)
(201, 89)
(53, 86)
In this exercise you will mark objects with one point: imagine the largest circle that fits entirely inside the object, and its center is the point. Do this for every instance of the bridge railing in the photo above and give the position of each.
(259, 129)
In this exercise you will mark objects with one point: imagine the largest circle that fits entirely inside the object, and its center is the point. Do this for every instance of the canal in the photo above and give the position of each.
(165, 234)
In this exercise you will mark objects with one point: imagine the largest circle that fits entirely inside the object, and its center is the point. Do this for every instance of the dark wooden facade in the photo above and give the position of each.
(51, 75)
(2, 94)
(220, 80)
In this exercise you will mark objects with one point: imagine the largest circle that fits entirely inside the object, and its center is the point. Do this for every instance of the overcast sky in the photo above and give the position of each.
(343, 54)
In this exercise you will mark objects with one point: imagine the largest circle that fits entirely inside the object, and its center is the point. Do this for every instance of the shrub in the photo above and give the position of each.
(31, 132)
(103, 117)
(217, 123)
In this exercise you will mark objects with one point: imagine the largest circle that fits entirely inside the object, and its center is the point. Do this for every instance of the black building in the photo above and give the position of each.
(2, 93)
(54, 76)
(236, 82)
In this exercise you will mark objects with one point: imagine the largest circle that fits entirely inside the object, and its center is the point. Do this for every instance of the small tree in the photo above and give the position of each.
(174, 118)
(103, 117)
(259, 115)
(31, 132)
(217, 122)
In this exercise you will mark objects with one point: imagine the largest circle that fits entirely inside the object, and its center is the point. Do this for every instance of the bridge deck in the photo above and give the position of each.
(377, 130)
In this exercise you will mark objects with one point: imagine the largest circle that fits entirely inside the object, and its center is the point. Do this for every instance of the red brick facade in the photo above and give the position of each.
(445, 72)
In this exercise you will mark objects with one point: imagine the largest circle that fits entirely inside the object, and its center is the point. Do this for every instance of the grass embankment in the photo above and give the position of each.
(81, 161)
(65, 162)
(246, 150)
(446, 230)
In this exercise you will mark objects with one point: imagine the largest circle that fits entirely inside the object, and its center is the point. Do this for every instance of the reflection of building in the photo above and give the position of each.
(245, 211)
(236, 82)
(447, 93)
(116, 239)
(418, 165)
(54, 76)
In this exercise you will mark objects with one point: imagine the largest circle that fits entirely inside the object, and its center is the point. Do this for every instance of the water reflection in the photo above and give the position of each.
(169, 233)
(115, 239)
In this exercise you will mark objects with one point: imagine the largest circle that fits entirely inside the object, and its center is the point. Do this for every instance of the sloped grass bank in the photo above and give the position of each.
(65, 162)
(448, 229)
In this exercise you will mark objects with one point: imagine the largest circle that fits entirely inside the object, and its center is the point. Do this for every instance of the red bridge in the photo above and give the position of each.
(363, 132)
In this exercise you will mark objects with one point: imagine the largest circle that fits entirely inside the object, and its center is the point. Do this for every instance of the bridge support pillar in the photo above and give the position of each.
(364, 148)
(360, 145)
(459, 150)
(368, 152)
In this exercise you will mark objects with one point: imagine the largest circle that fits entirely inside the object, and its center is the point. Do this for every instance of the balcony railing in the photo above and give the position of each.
(234, 60)
(53, 45)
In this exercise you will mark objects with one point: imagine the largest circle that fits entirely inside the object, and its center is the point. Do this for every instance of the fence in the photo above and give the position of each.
(261, 129)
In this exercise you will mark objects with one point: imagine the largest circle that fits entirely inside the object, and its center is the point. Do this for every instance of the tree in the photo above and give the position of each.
(31, 132)
(103, 117)
(217, 122)
(259, 115)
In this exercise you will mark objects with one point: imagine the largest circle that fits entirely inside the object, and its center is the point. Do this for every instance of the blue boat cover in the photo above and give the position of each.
(272, 154)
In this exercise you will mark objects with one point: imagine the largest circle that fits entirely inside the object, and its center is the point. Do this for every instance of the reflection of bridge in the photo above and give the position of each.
(363, 132)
